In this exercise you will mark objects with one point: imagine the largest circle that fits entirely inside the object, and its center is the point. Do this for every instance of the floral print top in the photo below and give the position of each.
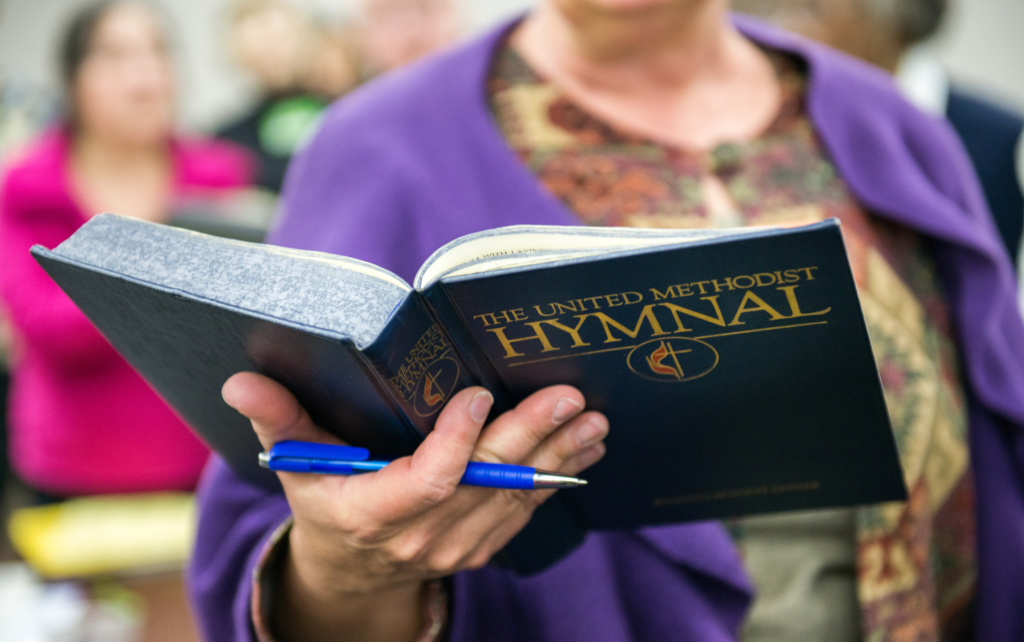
(914, 561)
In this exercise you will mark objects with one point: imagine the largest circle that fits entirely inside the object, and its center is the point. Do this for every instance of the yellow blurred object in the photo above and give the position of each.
(109, 534)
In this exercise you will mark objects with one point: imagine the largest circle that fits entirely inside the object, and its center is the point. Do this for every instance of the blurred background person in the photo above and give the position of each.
(332, 67)
(81, 420)
(396, 32)
(892, 34)
(26, 107)
(298, 68)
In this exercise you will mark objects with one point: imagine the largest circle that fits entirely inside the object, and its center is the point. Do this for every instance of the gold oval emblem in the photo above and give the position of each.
(672, 359)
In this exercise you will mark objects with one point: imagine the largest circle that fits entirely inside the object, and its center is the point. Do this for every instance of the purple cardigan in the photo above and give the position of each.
(414, 161)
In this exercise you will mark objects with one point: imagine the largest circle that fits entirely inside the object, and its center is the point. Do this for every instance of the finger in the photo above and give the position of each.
(584, 459)
(572, 442)
(506, 512)
(514, 435)
(522, 503)
(275, 413)
(479, 529)
(412, 485)
(503, 525)
(566, 444)
(470, 543)
(503, 509)
(568, 441)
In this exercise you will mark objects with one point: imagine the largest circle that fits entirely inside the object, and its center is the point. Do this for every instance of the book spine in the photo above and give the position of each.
(417, 364)
(447, 316)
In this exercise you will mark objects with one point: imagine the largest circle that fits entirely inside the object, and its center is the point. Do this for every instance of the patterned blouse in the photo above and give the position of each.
(914, 562)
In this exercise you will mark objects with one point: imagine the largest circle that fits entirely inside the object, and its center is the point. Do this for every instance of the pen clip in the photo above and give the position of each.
(310, 450)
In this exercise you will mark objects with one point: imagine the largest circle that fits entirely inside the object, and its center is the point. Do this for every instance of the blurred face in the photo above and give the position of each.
(269, 43)
(616, 5)
(124, 90)
(396, 32)
(846, 25)
(830, 21)
(331, 72)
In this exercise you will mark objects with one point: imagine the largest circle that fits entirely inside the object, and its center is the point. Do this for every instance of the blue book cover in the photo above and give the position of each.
(734, 365)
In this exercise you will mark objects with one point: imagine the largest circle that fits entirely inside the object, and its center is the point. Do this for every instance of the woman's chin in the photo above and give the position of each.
(630, 5)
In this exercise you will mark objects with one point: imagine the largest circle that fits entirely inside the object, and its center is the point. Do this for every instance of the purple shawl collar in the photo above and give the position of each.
(912, 169)
(909, 168)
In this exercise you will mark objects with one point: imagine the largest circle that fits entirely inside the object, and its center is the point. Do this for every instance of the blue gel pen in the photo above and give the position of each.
(326, 459)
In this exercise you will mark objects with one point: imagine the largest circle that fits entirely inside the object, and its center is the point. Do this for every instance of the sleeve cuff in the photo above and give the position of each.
(267, 570)
(264, 575)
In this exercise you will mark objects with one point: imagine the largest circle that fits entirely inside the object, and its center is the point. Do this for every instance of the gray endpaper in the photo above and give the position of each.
(306, 288)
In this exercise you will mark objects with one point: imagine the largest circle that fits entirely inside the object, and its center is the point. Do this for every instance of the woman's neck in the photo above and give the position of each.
(101, 155)
(130, 179)
(681, 75)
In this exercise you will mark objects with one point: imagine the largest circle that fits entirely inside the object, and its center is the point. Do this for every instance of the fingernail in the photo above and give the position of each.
(591, 432)
(565, 409)
(480, 406)
(227, 401)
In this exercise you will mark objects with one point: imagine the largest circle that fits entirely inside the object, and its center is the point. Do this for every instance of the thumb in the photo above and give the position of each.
(275, 413)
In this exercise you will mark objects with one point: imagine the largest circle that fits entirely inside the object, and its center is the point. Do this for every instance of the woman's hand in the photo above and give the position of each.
(361, 547)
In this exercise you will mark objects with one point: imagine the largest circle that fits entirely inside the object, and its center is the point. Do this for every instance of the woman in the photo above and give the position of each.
(270, 40)
(656, 113)
(81, 420)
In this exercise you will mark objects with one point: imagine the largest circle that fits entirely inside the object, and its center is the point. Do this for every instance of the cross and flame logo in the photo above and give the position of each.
(673, 359)
(431, 392)
(656, 361)
(436, 386)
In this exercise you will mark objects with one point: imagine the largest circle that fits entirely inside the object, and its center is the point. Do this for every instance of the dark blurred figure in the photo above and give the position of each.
(396, 32)
(299, 69)
(887, 33)
(81, 420)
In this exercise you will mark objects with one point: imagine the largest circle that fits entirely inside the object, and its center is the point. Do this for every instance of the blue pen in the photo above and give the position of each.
(326, 459)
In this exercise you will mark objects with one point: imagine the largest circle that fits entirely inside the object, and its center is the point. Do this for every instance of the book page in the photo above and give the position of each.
(526, 245)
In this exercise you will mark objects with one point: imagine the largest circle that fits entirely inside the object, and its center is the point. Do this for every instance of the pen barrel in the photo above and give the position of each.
(327, 467)
(311, 466)
(324, 466)
(498, 476)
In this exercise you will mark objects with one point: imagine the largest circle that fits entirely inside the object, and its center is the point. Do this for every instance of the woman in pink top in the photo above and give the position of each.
(81, 420)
